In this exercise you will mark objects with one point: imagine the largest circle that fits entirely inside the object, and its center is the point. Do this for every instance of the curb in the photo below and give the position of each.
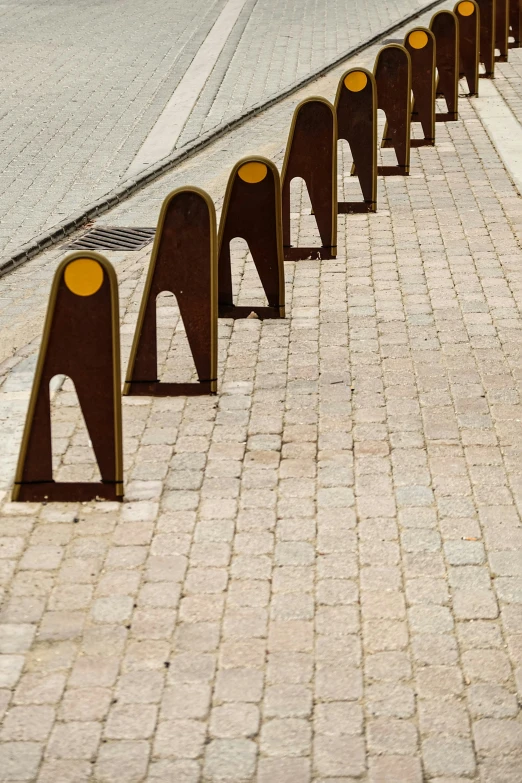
(63, 229)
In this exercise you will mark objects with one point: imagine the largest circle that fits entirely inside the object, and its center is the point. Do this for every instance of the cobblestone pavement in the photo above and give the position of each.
(84, 84)
(316, 575)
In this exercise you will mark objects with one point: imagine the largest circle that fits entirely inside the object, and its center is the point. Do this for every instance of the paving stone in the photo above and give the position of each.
(232, 720)
(125, 722)
(448, 756)
(475, 604)
(230, 759)
(20, 760)
(338, 756)
(284, 770)
(90, 704)
(119, 761)
(64, 769)
(500, 770)
(184, 771)
(395, 769)
(239, 685)
(444, 716)
(179, 739)
(186, 700)
(489, 701)
(27, 724)
(285, 737)
(497, 737)
(338, 718)
(10, 670)
(74, 740)
(390, 737)
(16, 638)
(38, 688)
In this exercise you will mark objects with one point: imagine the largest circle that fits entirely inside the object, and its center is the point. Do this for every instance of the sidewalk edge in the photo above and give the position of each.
(503, 129)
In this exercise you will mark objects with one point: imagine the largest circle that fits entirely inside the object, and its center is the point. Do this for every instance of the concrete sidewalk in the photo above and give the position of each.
(316, 575)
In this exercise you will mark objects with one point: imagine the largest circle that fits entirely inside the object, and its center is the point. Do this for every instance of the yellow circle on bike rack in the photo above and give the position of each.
(356, 81)
(84, 276)
(253, 172)
(418, 39)
(466, 8)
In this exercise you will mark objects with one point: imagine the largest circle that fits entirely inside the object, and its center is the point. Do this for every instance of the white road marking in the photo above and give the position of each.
(503, 128)
(163, 137)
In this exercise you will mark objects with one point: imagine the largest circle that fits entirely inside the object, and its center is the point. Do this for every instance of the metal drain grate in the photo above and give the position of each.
(115, 238)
